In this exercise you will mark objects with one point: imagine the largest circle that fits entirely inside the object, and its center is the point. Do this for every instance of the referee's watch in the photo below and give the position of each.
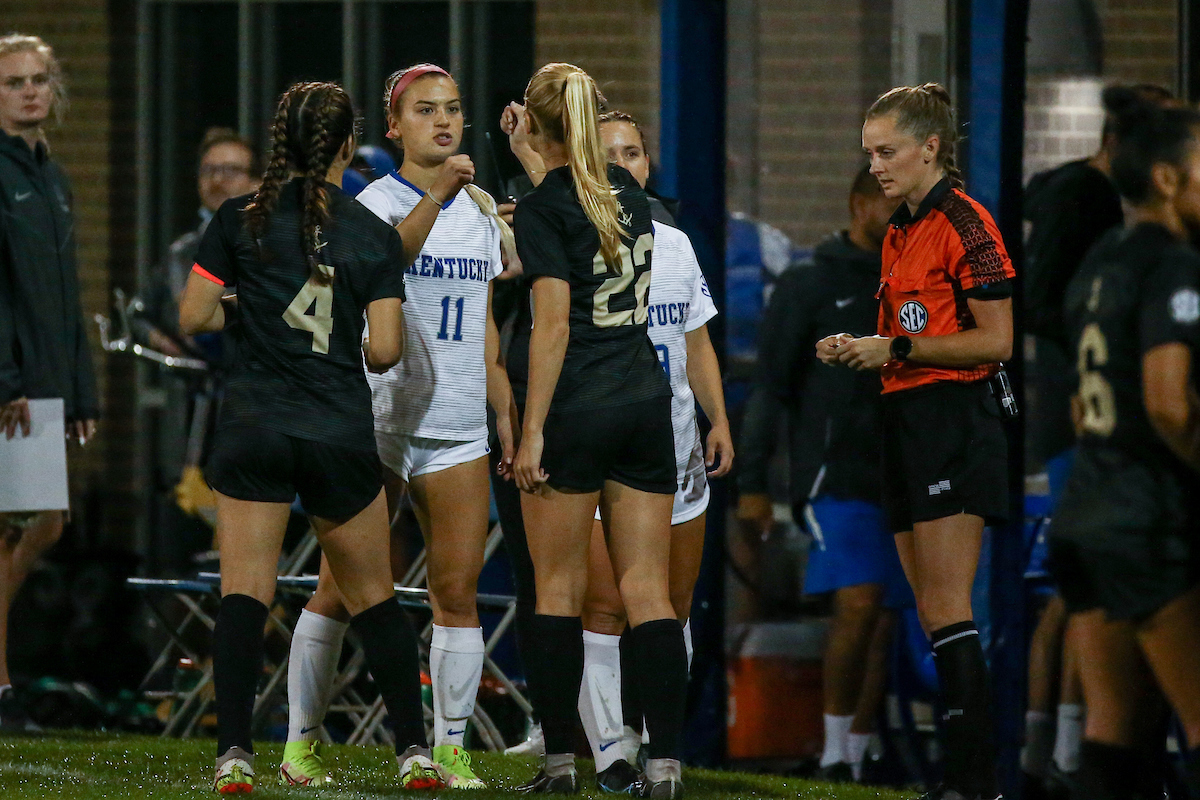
(901, 347)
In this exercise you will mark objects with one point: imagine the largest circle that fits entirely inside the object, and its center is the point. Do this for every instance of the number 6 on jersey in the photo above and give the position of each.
(318, 297)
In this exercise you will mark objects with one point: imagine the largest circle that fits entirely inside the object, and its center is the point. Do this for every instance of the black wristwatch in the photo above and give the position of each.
(901, 348)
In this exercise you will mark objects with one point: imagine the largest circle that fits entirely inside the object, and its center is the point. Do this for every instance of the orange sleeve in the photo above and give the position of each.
(977, 254)
(203, 273)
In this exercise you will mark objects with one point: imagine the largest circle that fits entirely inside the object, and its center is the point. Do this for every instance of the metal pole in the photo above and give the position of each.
(143, 169)
(480, 55)
(373, 75)
(268, 83)
(457, 36)
(245, 68)
(350, 49)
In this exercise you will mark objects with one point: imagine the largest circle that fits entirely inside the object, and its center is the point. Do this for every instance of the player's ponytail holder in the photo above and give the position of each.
(410, 76)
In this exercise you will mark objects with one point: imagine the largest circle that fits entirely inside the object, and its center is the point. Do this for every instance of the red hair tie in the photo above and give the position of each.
(410, 76)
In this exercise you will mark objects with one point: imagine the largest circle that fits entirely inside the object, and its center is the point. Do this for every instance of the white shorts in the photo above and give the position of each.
(410, 456)
(691, 499)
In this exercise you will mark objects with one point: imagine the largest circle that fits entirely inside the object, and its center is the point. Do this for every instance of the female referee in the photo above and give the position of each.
(597, 426)
(306, 261)
(945, 324)
(430, 417)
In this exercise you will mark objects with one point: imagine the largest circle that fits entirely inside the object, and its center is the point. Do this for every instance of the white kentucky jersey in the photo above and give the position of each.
(679, 303)
(439, 388)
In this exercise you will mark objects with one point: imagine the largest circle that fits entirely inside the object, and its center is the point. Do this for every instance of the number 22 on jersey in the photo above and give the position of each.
(617, 285)
(318, 297)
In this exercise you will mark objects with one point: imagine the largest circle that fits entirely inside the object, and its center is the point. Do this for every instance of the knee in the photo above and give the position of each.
(455, 593)
(681, 601)
(603, 618)
(561, 594)
(858, 606)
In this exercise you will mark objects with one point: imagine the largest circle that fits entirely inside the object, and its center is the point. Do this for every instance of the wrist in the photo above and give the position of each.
(433, 199)
(900, 348)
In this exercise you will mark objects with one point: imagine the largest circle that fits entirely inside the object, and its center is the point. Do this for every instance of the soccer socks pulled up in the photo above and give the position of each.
(390, 645)
(600, 697)
(237, 663)
(966, 697)
(1039, 743)
(837, 731)
(1068, 736)
(660, 661)
(687, 643)
(555, 675)
(455, 666)
(856, 751)
(312, 667)
(631, 700)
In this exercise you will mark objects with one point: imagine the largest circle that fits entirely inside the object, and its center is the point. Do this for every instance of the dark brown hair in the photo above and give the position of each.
(924, 111)
(312, 123)
(625, 116)
(217, 136)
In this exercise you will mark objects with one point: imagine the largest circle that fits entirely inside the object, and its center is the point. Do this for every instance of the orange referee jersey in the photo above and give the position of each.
(932, 261)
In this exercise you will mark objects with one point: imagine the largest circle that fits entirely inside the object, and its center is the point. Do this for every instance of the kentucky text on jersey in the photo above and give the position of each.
(467, 269)
(669, 313)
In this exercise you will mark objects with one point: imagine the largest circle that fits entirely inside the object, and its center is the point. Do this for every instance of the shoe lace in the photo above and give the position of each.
(310, 761)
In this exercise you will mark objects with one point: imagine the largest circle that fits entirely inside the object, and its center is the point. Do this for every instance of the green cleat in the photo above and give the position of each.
(235, 772)
(302, 765)
(419, 772)
(456, 763)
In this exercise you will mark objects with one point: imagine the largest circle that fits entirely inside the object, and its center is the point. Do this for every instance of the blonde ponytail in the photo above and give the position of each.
(488, 206)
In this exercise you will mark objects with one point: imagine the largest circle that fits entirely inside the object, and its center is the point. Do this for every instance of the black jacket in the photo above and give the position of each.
(43, 344)
(833, 413)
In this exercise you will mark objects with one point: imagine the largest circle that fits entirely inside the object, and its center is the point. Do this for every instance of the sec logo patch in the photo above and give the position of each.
(913, 317)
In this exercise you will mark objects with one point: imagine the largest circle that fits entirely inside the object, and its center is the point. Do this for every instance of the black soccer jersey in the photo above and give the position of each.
(610, 360)
(1136, 290)
(299, 368)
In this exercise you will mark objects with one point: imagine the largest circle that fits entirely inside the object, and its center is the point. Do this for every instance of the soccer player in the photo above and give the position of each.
(945, 323)
(1123, 541)
(597, 427)
(307, 261)
(430, 417)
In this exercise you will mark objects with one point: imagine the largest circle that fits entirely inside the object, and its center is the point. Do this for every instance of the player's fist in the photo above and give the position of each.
(456, 172)
(827, 348)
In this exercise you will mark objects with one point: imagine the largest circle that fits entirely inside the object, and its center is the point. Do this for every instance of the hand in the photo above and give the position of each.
(504, 431)
(754, 511)
(163, 343)
(527, 467)
(512, 123)
(81, 430)
(718, 451)
(505, 212)
(868, 352)
(14, 415)
(456, 172)
(827, 347)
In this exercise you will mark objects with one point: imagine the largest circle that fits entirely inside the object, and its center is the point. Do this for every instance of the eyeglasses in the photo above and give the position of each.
(18, 81)
(223, 171)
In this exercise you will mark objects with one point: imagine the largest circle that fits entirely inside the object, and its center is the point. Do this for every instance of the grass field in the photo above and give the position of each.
(88, 766)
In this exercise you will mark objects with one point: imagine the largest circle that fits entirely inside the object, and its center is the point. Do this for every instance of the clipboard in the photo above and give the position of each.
(33, 468)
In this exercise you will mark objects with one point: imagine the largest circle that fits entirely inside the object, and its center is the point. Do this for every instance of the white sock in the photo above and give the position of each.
(856, 750)
(455, 666)
(1039, 743)
(600, 697)
(1069, 737)
(837, 730)
(687, 643)
(312, 668)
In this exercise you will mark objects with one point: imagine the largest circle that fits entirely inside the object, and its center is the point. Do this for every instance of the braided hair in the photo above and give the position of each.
(312, 123)
(924, 111)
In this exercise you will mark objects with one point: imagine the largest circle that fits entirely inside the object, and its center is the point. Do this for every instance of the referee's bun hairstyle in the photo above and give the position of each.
(1150, 135)
(563, 105)
(312, 123)
(23, 43)
(924, 111)
(393, 91)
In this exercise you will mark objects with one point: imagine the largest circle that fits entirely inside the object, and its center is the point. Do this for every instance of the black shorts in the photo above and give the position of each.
(632, 444)
(261, 465)
(1129, 583)
(945, 452)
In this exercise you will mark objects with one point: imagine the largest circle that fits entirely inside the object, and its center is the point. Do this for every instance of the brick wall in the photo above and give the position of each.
(1063, 119)
(1141, 40)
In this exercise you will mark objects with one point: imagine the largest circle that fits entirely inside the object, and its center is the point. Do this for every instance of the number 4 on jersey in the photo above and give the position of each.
(319, 298)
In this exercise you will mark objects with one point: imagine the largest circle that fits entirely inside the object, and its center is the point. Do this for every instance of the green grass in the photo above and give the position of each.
(89, 766)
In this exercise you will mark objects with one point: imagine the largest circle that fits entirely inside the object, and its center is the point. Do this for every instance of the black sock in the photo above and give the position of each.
(1107, 772)
(555, 673)
(969, 746)
(237, 663)
(1192, 763)
(631, 702)
(390, 645)
(660, 662)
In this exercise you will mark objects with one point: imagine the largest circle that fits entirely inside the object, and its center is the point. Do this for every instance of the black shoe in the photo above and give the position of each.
(545, 784)
(670, 789)
(838, 772)
(619, 778)
(13, 718)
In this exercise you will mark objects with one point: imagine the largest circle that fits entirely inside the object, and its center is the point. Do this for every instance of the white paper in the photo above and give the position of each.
(33, 468)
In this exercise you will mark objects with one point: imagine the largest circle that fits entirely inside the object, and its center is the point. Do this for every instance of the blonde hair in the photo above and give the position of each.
(23, 43)
(564, 106)
(924, 111)
(482, 199)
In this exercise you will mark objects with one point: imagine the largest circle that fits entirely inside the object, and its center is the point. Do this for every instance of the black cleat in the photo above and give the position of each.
(545, 784)
(669, 789)
(838, 772)
(619, 778)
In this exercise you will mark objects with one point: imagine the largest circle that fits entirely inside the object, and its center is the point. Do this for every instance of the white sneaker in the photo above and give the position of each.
(534, 744)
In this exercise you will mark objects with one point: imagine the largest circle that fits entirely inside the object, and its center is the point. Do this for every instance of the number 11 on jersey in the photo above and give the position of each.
(458, 308)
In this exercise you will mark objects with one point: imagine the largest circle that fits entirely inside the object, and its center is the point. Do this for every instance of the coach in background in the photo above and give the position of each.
(43, 348)
(834, 427)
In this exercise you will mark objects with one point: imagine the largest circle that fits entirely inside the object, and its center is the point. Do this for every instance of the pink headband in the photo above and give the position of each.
(412, 75)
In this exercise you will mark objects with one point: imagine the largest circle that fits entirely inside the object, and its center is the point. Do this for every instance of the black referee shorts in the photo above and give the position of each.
(945, 452)
(632, 444)
(264, 466)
